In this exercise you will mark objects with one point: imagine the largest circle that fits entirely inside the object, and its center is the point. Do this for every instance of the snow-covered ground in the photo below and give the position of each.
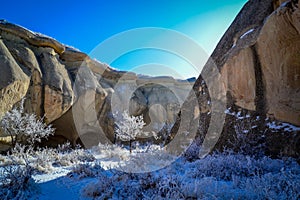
(62, 187)
(149, 171)
(218, 176)
(285, 126)
(272, 125)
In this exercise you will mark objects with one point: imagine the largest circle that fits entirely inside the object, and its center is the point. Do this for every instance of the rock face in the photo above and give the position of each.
(263, 66)
(265, 60)
(258, 64)
(247, 93)
(279, 43)
(75, 93)
(48, 88)
(14, 82)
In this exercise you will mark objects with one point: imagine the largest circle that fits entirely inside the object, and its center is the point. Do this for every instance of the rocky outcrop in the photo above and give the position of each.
(258, 58)
(76, 94)
(278, 48)
(14, 82)
(258, 68)
(31, 38)
(249, 86)
(265, 62)
(48, 90)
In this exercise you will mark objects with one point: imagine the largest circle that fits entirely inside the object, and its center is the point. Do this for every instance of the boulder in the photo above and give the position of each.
(14, 83)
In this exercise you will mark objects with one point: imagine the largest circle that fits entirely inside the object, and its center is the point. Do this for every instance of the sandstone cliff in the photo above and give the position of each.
(74, 92)
(255, 71)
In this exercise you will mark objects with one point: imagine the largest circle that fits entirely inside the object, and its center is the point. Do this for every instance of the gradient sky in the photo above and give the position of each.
(85, 24)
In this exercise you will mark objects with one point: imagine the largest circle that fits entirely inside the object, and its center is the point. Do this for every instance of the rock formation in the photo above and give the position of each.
(266, 63)
(258, 68)
(75, 93)
(252, 80)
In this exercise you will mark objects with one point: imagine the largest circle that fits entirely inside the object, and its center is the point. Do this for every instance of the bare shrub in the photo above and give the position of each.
(23, 127)
(25, 130)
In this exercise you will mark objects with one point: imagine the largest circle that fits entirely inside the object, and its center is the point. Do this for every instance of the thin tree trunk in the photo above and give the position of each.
(13, 142)
(115, 139)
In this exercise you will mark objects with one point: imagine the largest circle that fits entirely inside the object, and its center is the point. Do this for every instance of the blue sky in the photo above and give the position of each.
(85, 24)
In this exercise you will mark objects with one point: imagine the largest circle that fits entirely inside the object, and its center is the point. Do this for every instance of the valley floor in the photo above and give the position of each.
(218, 176)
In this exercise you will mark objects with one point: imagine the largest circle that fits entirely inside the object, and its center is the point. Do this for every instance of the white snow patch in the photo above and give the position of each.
(238, 114)
(57, 173)
(40, 34)
(227, 111)
(98, 61)
(72, 48)
(63, 188)
(234, 44)
(284, 4)
(286, 126)
(246, 33)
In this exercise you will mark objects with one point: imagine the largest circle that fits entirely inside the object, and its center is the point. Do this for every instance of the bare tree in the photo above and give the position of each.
(129, 127)
(23, 126)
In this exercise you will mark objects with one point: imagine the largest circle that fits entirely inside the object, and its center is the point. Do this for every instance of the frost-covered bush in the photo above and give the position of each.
(225, 166)
(282, 185)
(169, 187)
(63, 155)
(23, 162)
(141, 159)
(151, 160)
(84, 170)
(247, 139)
(24, 127)
(128, 128)
(25, 130)
(218, 176)
(102, 189)
(67, 156)
(43, 159)
(109, 151)
(16, 176)
(16, 182)
(192, 152)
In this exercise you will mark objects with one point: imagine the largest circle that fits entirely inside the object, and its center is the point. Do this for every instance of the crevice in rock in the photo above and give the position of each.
(260, 99)
(42, 106)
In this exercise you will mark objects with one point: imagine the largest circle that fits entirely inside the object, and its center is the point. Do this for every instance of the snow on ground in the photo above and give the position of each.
(285, 126)
(56, 173)
(64, 188)
(238, 114)
(150, 172)
(273, 125)
(218, 176)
